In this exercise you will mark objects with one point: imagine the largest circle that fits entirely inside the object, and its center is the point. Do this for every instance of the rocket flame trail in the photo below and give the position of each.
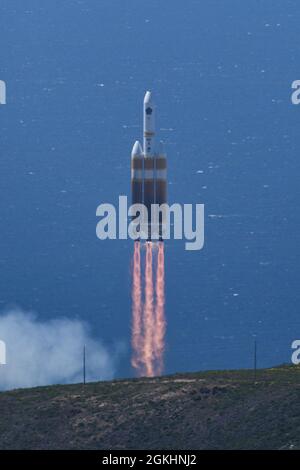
(160, 321)
(148, 317)
(137, 360)
(148, 313)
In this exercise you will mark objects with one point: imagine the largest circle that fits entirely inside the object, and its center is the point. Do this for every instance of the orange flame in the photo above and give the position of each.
(148, 313)
(148, 319)
(160, 321)
(137, 361)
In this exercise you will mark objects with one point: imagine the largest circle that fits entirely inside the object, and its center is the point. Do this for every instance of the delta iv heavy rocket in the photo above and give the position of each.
(149, 168)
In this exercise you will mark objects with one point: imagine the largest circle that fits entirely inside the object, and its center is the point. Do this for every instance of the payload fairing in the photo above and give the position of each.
(149, 168)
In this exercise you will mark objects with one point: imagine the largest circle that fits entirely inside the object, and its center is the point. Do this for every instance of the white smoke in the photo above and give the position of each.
(48, 352)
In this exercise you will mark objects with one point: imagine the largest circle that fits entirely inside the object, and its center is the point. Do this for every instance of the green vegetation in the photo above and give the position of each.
(207, 410)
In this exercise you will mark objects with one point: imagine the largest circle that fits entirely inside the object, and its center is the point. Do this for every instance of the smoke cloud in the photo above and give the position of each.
(48, 352)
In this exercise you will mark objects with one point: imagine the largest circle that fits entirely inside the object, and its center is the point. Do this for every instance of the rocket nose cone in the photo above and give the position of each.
(136, 149)
(148, 97)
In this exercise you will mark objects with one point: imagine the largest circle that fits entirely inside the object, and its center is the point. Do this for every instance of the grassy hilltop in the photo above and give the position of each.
(207, 410)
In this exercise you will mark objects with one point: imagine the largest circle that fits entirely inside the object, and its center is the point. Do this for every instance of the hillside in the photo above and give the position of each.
(208, 410)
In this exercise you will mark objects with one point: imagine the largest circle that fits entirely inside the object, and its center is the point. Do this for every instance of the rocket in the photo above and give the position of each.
(149, 168)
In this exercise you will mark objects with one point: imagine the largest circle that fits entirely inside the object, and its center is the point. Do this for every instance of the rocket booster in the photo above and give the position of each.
(149, 167)
(137, 169)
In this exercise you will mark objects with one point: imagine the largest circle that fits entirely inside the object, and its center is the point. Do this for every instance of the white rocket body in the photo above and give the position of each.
(149, 169)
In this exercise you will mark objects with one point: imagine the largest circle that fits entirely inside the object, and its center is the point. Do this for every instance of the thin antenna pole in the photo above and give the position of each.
(84, 365)
(255, 360)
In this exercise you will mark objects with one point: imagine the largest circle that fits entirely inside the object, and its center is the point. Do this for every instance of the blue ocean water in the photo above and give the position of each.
(221, 74)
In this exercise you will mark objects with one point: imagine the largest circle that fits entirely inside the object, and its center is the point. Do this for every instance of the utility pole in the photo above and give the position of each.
(255, 360)
(84, 365)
